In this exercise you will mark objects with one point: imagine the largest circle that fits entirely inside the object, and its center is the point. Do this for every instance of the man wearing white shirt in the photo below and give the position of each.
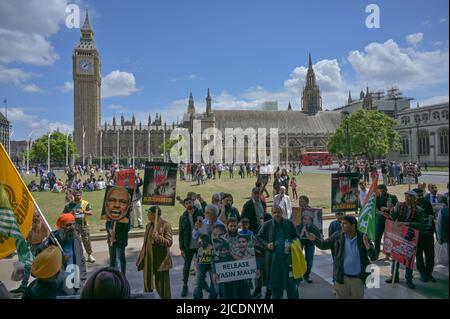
(284, 202)
(362, 193)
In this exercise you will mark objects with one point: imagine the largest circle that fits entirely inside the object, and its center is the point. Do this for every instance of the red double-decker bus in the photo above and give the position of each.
(315, 158)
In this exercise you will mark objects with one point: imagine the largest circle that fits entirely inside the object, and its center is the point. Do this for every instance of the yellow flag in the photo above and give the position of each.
(20, 199)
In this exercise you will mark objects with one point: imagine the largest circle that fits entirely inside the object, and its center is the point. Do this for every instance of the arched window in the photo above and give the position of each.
(417, 118)
(404, 145)
(405, 120)
(424, 143)
(445, 115)
(425, 117)
(436, 116)
(443, 141)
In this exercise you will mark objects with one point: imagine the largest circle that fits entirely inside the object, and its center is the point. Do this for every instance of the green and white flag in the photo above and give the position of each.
(366, 223)
(9, 228)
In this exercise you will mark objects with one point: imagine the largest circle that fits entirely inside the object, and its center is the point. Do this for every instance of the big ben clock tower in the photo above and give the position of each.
(87, 93)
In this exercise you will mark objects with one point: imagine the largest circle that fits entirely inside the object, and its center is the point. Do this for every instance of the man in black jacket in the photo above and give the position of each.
(352, 252)
(425, 242)
(254, 210)
(188, 246)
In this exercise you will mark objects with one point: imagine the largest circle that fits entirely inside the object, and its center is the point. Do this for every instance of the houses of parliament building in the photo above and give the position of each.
(305, 128)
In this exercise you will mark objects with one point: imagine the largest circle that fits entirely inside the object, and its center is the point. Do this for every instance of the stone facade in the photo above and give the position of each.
(5, 128)
(424, 135)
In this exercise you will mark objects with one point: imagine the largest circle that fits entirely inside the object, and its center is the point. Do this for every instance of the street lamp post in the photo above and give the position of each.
(164, 144)
(418, 140)
(101, 150)
(84, 134)
(347, 135)
(118, 150)
(67, 149)
(148, 144)
(132, 128)
(28, 152)
(48, 151)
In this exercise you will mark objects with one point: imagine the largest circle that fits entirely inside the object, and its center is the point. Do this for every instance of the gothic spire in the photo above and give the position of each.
(289, 106)
(309, 61)
(191, 107)
(86, 25)
(350, 100)
(208, 103)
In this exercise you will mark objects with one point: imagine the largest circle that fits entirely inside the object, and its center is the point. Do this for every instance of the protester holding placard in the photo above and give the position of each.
(155, 259)
(202, 233)
(136, 210)
(276, 235)
(238, 289)
(425, 243)
(411, 215)
(306, 227)
(352, 253)
(384, 203)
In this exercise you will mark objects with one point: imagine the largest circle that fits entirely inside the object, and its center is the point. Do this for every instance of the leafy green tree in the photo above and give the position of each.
(38, 152)
(169, 143)
(371, 133)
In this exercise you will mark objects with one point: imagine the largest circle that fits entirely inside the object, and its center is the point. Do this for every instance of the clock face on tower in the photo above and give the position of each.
(85, 66)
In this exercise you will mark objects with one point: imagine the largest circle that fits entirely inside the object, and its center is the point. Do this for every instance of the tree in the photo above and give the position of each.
(38, 152)
(169, 143)
(371, 133)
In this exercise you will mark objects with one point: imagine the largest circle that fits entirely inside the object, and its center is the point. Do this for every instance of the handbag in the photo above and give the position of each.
(441, 253)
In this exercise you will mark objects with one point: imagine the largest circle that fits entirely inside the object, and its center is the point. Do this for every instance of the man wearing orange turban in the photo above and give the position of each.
(72, 247)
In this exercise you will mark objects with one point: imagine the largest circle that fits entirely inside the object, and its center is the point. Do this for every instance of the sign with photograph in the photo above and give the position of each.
(400, 242)
(160, 181)
(344, 192)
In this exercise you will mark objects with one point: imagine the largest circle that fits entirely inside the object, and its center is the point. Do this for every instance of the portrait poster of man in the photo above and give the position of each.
(311, 218)
(400, 242)
(117, 204)
(160, 183)
(344, 192)
(205, 252)
(234, 259)
(126, 178)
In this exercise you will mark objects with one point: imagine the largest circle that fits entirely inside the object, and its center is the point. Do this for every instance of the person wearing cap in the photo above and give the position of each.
(81, 208)
(425, 242)
(106, 283)
(50, 276)
(70, 242)
(384, 202)
(154, 257)
(410, 215)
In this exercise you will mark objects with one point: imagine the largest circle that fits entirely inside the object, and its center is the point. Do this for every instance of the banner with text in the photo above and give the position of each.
(160, 181)
(126, 178)
(400, 242)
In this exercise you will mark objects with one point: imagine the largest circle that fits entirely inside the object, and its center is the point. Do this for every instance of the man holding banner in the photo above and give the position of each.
(407, 214)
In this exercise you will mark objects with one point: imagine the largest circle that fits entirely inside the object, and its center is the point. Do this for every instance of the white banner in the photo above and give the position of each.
(236, 270)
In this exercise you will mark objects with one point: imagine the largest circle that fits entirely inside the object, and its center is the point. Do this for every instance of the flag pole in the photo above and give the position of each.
(31, 196)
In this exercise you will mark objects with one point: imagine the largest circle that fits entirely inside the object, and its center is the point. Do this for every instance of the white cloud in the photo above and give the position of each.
(32, 88)
(118, 83)
(27, 48)
(434, 100)
(15, 76)
(67, 87)
(31, 122)
(26, 25)
(442, 20)
(384, 64)
(414, 39)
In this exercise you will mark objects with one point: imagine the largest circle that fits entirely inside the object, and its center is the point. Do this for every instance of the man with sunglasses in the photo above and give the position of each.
(188, 245)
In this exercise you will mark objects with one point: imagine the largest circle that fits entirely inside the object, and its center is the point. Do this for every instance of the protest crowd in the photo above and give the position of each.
(260, 251)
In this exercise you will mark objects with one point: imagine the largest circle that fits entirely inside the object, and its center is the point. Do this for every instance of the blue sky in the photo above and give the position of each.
(155, 52)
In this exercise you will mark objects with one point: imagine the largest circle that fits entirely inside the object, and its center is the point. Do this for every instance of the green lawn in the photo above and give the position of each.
(315, 186)
(437, 169)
